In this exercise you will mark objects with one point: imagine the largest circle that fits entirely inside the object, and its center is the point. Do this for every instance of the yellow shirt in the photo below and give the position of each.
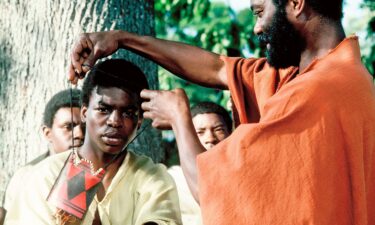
(18, 179)
(190, 209)
(140, 192)
(15, 184)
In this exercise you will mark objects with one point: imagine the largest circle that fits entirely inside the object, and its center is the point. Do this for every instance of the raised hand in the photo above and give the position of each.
(166, 108)
(87, 49)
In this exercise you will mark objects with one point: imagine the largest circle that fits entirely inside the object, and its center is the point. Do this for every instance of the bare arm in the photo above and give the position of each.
(188, 62)
(171, 109)
(189, 147)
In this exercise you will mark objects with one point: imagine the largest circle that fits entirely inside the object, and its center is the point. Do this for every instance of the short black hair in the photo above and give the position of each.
(330, 9)
(60, 100)
(210, 107)
(117, 73)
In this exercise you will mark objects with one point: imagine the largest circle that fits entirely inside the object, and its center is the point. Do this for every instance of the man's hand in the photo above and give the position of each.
(165, 108)
(89, 48)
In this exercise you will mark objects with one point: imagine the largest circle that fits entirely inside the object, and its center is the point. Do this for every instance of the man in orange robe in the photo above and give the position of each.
(305, 150)
(309, 159)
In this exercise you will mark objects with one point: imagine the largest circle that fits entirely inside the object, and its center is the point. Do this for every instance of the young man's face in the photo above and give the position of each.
(210, 128)
(112, 119)
(60, 134)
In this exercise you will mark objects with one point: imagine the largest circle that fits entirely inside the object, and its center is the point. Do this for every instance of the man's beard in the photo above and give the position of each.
(285, 43)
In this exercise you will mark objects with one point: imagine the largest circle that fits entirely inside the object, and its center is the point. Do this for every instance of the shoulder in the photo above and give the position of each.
(38, 159)
(18, 177)
(53, 161)
(146, 170)
(238, 64)
(144, 162)
(48, 169)
(22, 172)
(15, 185)
(247, 66)
(336, 82)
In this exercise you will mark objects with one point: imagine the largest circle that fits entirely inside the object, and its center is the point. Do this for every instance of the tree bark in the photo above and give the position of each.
(35, 41)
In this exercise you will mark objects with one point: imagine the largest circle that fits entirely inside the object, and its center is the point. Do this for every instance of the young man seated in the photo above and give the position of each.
(58, 122)
(212, 124)
(129, 189)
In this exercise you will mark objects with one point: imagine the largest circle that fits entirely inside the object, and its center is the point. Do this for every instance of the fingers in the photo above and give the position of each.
(90, 47)
(153, 108)
(161, 126)
(157, 122)
(82, 50)
(90, 59)
(77, 51)
(146, 106)
(148, 115)
(72, 75)
(149, 94)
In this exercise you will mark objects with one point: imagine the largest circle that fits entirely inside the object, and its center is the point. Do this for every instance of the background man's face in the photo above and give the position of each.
(60, 134)
(210, 128)
(111, 119)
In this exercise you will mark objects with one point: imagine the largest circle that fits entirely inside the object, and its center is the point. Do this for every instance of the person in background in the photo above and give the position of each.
(212, 124)
(58, 122)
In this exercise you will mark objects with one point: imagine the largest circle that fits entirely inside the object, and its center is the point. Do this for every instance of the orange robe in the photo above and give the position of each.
(305, 151)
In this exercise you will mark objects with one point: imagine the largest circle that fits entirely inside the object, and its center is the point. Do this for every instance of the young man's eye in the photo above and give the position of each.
(130, 114)
(68, 126)
(200, 132)
(103, 110)
(219, 130)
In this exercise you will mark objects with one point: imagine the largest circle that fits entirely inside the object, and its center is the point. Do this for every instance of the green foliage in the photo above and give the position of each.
(369, 56)
(369, 4)
(364, 29)
(369, 59)
(213, 26)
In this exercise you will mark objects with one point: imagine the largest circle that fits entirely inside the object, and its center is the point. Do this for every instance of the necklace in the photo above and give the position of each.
(77, 161)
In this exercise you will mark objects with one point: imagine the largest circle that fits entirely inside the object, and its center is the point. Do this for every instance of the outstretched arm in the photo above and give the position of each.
(188, 62)
(171, 109)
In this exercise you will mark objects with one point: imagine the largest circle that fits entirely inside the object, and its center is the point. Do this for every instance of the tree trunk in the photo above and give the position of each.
(35, 42)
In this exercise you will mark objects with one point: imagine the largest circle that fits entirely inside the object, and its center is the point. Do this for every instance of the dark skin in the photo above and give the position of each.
(188, 62)
(110, 125)
(112, 120)
(210, 128)
(60, 134)
(92, 46)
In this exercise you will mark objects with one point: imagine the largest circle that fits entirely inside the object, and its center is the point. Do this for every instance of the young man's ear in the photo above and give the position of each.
(46, 132)
(83, 113)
